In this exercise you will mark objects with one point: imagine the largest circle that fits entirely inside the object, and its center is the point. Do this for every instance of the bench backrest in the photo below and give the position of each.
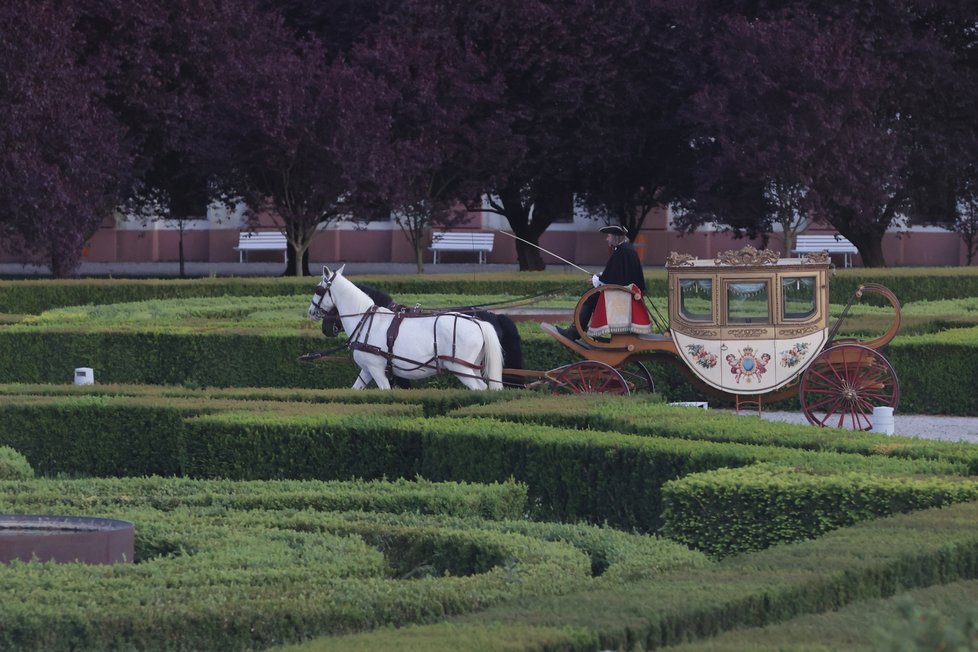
(261, 240)
(473, 241)
(829, 242)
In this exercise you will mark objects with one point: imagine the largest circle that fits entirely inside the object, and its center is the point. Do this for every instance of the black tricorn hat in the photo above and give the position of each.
(614, 229)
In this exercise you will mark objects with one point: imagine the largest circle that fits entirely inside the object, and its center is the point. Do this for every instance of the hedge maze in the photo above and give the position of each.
(444, 519)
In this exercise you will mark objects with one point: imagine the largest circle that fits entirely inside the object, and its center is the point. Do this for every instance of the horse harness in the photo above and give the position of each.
(361, 334)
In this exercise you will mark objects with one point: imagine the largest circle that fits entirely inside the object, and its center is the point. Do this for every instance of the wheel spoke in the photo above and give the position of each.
(589, 377)
(830, 382)
(829, 412)
(828, 399)
(844, 384)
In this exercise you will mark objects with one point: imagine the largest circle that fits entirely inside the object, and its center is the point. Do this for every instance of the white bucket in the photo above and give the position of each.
(84, 376)
(883, 420)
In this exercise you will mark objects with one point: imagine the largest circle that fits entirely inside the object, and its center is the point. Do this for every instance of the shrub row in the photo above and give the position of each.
(627, 415)
(36, 296)
(866, 561)
(432, 401)
(571, 475)
(496, 501)
(772, 505)
(160, 358)
(934, 618)
(104, 436)
(909, 284)
(211, 576)
(936, 371)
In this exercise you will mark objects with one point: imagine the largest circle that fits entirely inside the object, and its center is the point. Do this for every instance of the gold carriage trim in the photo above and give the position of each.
(747, 333)
(797, 332)
(676, 259)
(748, 256)
(816, 257)
(699, 332)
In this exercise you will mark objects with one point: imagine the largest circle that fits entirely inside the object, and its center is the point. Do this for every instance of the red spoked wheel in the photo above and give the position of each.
(843, 385)
(588, 377)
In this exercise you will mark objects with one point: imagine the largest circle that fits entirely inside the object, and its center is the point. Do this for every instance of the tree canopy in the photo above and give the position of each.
(743, 113)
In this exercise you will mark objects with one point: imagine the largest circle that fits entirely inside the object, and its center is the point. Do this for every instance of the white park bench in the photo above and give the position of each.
(464, 241)
(261, 241)
(832, 243)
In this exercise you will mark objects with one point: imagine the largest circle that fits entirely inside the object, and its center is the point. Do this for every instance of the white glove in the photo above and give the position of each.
(595, 281)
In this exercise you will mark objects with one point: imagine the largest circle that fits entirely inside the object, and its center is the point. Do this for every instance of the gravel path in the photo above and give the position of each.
(925, 426)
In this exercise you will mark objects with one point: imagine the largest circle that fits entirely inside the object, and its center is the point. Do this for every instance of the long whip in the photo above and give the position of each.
(536, 246)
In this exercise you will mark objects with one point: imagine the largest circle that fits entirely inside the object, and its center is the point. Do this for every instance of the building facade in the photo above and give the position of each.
(214, 239)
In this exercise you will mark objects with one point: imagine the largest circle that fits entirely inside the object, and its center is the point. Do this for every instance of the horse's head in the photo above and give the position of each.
(322, 298)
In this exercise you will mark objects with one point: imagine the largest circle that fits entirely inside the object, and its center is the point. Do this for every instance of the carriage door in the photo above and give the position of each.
(802, 323)
(748, 349)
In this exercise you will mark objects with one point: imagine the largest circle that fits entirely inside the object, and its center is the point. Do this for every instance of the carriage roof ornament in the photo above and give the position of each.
(748, 256)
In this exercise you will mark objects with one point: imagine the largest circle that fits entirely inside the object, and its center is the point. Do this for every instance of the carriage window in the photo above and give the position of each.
(747, 302)
(798, 296)
(696, 299)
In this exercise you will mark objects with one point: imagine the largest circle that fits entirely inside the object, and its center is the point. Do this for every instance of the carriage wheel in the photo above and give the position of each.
(844, 384)
(638, 377)
(588, 377)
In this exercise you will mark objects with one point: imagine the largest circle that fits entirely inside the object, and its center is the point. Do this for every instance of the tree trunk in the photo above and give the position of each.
(180, 251)
(65, 265)
(870, 248)
(529, 257)
(419, 256)
(292, 265)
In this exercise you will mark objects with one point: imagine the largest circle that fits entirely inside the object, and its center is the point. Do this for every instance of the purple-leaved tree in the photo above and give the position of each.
(61, 152)
(436, 103)
(821, 113)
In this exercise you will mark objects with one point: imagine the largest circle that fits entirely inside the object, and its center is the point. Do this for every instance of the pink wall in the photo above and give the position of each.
(584, 247)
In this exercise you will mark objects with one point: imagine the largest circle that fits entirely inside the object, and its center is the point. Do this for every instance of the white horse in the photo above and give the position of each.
(409, 346)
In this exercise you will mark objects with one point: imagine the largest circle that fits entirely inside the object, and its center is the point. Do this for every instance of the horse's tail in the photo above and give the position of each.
(511, 342)
(492, 361)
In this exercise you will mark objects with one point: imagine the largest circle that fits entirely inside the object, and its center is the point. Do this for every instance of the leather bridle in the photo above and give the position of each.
(320, 293)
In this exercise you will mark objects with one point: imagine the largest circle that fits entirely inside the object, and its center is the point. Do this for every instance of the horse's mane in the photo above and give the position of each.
(379, 297)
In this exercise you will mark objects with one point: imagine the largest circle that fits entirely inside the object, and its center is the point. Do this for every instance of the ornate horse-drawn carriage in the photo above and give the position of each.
(755, 327)
(747, 325)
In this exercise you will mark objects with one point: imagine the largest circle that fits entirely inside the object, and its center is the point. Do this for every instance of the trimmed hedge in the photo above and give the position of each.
(496, 501)
(599, 476)
(936, 371)
(118, 436)
(870, 560)
(626, 415)
(36, 296)
(571, 475)
(159, 358)
(730, 511)
(935, 618)
(432, 401)
(211, 576)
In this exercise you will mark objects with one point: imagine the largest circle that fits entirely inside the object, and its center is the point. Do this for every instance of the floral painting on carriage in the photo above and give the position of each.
(793, 357)
(701, 356)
